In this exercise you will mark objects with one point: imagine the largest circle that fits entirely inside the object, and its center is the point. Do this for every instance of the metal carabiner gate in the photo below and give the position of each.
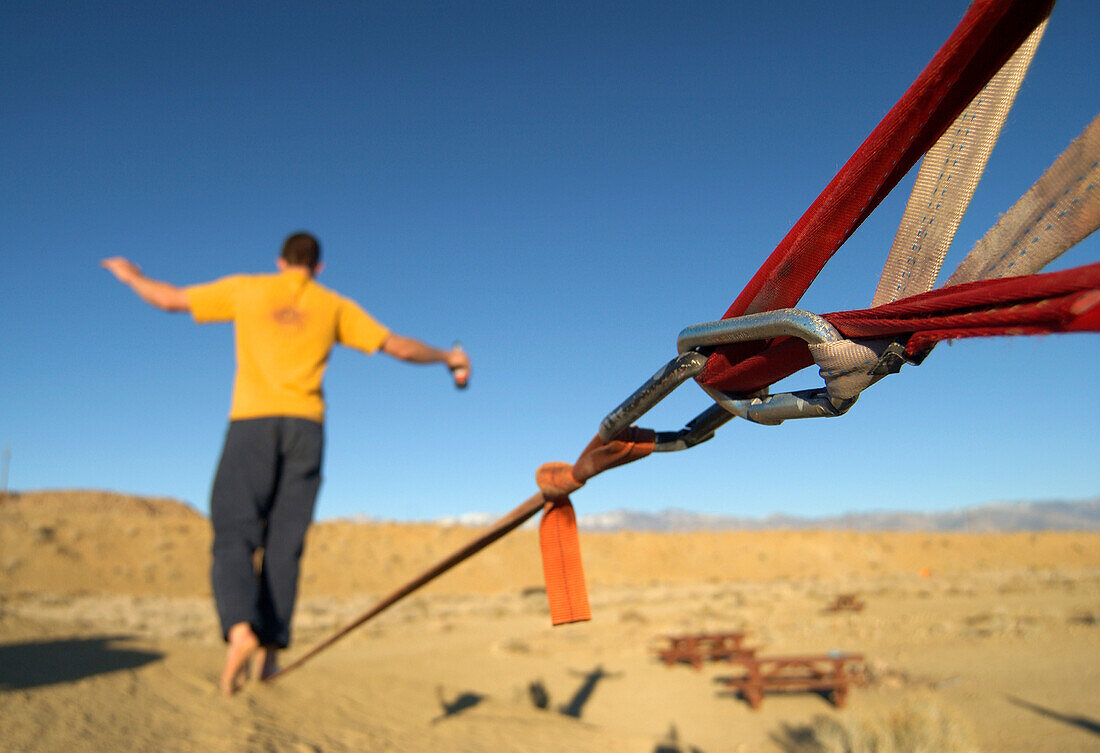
(694, 345)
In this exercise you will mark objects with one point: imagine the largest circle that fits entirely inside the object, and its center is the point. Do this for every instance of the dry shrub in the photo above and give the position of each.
(919, 727)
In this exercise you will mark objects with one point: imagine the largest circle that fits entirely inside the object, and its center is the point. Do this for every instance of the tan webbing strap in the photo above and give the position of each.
(1059, 211)
(948, 176)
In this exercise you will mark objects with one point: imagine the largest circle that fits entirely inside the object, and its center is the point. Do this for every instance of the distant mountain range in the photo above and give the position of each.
(1081, 515)
(1009, 516)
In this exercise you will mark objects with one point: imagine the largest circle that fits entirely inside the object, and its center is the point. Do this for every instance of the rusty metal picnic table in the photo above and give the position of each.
(696, 648)
(826, 672)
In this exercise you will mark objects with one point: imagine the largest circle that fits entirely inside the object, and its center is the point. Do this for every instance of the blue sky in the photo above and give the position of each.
(561, 186)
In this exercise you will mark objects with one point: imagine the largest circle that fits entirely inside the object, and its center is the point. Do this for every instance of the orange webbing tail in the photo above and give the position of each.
(561, 551)
(561, 563)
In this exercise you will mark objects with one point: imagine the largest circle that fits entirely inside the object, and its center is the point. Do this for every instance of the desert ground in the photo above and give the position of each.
(108, 640)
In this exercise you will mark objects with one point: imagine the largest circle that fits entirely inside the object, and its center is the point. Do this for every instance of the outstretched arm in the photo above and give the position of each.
(413, 351)
(162, 295)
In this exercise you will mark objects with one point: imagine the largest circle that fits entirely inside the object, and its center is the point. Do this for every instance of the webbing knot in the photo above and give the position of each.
(556, 480)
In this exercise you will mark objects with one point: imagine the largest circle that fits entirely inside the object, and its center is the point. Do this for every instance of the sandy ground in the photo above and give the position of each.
(108, 639)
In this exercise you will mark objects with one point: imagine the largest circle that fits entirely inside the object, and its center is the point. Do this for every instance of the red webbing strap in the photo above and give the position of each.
(1065, 301)
(558, 538)
(771, 361)
(987, 36)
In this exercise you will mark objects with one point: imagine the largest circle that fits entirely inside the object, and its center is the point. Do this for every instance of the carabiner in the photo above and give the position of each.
(760, 408)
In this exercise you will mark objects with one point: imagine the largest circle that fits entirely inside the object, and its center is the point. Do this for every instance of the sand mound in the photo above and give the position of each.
(63, 501)
(101, 542)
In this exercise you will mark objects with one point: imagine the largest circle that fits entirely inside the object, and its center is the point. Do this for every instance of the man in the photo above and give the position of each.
(270, 468)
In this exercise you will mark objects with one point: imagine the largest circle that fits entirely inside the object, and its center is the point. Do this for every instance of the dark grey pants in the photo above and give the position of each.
(263, 496)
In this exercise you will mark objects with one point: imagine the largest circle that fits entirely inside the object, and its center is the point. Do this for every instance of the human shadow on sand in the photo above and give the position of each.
(576, 704)
(672, 744)
(795, 738)
(1089, 725)
(38, 663)
(457, 705)
(540, 696)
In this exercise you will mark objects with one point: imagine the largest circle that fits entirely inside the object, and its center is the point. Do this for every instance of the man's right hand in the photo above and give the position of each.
(459, 364)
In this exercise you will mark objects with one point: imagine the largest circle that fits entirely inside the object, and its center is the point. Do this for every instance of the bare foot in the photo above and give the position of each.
(243, 643)
(268, 657)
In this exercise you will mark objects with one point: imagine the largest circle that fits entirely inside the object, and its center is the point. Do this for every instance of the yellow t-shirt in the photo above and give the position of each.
(285, 326)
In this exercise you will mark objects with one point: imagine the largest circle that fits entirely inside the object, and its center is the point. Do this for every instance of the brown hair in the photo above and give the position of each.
(301, 250)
